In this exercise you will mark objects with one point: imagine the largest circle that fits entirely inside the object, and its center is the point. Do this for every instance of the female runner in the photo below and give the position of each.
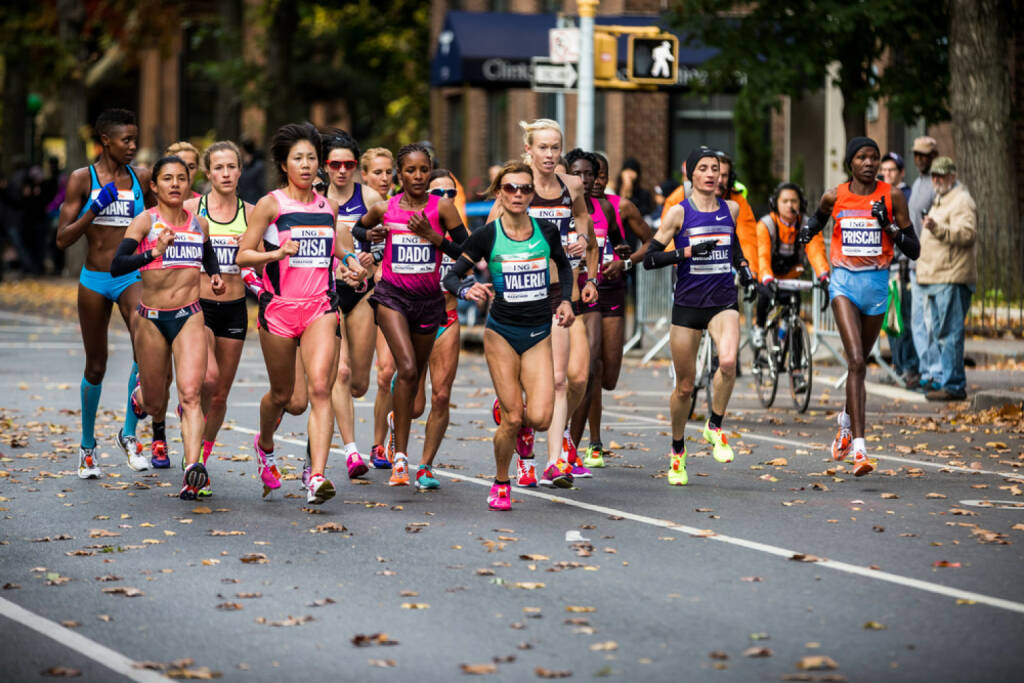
(188, 153)
(407, 300)
(226, 315)
(296, 228)
(101, 201)
(359, 332)
(519, 251)
(869, 217)
(168, 244)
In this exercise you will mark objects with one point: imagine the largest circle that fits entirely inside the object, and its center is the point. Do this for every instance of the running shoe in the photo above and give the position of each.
(572, 457)
(524, 442)
(132, 449)
(159, 459)
(500, 497)
(526, 473)
(379, 458)
(677, 470)
(355, 464)
(593, 457)
(320, 489)
(267, 467)
(207, 490)
(307, 469)
(136, 401)
(716, 437)
(861, 464)
(841, 444)
(399, 471)
(195, 479)
(390, 440)
(557, 475)
(425, 479)
(87, 467)
(496, 412)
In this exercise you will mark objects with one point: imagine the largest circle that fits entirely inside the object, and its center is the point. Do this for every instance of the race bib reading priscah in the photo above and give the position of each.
(861, 236)
(185, 252)
(316, 246)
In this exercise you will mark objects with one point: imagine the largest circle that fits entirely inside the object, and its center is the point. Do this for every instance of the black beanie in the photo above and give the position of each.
(855, 144)
(695, 156)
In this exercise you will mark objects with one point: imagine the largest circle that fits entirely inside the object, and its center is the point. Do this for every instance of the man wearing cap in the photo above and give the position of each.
(921, 195)
(904, 356)
(946, 275)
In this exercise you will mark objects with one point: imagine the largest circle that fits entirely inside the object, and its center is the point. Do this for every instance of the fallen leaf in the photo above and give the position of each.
(935, 495)
(816, 663)
(415, 605)
(229, 606)
(126, 591)
(101, 533)
(752, 579)
(804, 557)
(254, 558)
(718, 654)
(479, 669)
(528, 585)
(70, 623)
(292, 621)
(889, 496)
(60, 672)
(758, 652)
(550, 673)
(219, 532)
(382, 663)
(484, 572)
(874, 626)
(606, 646)
(201, 673)
(576, 609)
(248, 596)
(363, 640)
(201, 510)
(534, 558)
(946, 563)
(322, 602)
(777, 462)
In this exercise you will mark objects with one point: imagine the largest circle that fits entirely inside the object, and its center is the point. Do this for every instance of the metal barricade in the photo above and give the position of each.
(653, 314)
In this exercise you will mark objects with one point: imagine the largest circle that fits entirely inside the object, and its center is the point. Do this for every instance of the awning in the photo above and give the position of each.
(495, 48)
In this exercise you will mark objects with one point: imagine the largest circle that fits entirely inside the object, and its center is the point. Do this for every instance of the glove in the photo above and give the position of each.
(701, 250)
(746, 275)
(825, 279)
(808, 229)
(104, 198)
(881, 214)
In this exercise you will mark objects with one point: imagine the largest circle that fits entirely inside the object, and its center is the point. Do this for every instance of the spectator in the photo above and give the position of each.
(904, 355)
(629, 185)
(921, 195)
(252, 183)
(946, 274)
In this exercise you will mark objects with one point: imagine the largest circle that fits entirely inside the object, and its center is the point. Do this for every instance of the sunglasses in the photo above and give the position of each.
(438, 192)
(348, 165)
(512, 188)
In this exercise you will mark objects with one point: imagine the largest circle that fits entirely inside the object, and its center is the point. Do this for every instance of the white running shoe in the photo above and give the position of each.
(87, 467)
(132, 449)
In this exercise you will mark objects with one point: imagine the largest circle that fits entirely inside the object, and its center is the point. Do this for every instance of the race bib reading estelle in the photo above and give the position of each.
(715, 263)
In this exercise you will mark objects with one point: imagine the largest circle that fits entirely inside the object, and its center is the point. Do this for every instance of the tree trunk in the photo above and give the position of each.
(15, 117)
(979, 97)
(283, 104)
(227, 105)
(74, 109)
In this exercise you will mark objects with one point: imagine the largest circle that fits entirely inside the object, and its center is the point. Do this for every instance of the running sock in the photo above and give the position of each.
(715, 421)
(595, 444)
(350, 448)
(679, 445)
(844, 419)
(130, 421)
(207, 448)
(90, 394)
(158, 431)
(859, 444)
(507, 482)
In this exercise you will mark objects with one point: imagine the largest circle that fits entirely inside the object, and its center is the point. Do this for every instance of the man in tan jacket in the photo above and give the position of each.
(947, 273)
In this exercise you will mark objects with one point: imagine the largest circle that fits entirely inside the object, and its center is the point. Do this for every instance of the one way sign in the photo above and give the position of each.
(546, 76)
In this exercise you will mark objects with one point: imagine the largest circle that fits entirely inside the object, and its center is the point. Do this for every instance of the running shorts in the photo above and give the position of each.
(521, 339)
(424, 313)
(106, 284)
(169, 320)
(868, 290)
(227, 319)
(698, 318)
(290, 317)
(349, 298)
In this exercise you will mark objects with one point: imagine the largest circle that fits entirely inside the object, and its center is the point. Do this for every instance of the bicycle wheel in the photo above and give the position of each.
(712, 369)
(801, 365)
(766, 371)
(701, 377)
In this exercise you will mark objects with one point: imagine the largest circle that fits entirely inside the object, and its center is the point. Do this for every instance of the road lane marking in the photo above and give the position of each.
(846, 567)
(101, 654)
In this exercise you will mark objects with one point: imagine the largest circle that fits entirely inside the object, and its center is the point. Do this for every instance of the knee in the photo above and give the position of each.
(727, 366)
(384, 381)
(406, 372)
(539, 420)
(188, 396)
(280, 398)
(95, 369)
(512, 419)
(684, 387)
(856, 364)
(344, 374)
(319, 391)
(440, 397)
(359, 387)
(561, 383)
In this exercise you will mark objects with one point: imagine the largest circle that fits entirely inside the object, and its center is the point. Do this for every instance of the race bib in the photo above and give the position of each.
(316, 247)
(861, 236)
(570, 238)
(446, 264)
(411, 254)
(715, 263)
(607, 255)
(226, 248)
(185, 252)
(525, 279)
(120, 213)
(555, 214)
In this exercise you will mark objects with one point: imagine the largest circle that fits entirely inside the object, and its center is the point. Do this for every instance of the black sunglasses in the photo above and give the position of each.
(512, 188)
(438, 192)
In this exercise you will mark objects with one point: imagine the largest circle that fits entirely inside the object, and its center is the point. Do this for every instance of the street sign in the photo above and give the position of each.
(546, 76)
(653, 59)
(564, 45)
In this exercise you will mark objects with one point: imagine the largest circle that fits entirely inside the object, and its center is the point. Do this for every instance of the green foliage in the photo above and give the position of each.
(752, 118)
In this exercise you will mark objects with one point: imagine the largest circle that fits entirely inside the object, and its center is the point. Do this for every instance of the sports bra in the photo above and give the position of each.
(559, 212)
(185, 252)
(127, 206)
(224, 236)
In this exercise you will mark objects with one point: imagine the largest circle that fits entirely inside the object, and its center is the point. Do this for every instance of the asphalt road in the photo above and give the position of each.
(909, 575)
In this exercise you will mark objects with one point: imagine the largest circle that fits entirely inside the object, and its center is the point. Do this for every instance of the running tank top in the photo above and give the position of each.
(411, 262)
(308, 274)
(185, 252)
(858, 241)
(350, 212)
(559, 212)
(127, 206)
(519, 270)
(224, 236)
(707, 281)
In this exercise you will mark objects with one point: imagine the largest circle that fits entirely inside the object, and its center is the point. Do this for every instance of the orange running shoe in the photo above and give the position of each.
(841, 444)
(399, 471)
(861, 464)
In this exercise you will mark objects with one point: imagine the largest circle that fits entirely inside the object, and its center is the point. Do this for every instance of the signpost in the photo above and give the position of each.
(547, 76)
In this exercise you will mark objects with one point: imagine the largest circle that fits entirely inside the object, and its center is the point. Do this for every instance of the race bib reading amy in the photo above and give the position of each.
(861, 236)
(525, 279)
(411, 254)
(185, 252)
(316, 246)
(226, 248)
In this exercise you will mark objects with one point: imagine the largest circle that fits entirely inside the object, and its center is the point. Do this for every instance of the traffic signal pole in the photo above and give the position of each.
(585, 96)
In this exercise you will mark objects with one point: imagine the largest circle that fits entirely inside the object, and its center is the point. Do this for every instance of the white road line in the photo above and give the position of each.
(803, 444)
(778, 551)
(112, 659)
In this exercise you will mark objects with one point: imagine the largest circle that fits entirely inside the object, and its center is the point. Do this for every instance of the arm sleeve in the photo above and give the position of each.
(359, 232)
(906, 240)
(210, 263)
(657, 257)
(475, 247)
(453, 280)
(554, 239)
(126, 260)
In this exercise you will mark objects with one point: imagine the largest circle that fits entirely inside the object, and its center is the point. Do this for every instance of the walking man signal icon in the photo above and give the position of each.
(662, 55)
(653, 59)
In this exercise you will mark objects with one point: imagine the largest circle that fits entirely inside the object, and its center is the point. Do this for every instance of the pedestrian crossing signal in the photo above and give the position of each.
(653, 59)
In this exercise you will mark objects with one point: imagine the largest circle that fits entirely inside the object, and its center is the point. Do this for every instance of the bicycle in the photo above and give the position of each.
(786, 348)
(707, 365)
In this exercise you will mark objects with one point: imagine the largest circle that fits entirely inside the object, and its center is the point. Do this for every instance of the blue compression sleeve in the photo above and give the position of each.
(129, 415)
(90, 403)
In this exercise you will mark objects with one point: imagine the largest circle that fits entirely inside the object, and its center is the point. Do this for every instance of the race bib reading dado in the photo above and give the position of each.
(715, 263)
(861, 236)
(411, 254)
(185, 252)
(226, 248)
(118, 214)
(526, 279)
(316, 246)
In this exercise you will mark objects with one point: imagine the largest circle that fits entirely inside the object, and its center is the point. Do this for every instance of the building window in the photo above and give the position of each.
(701, 120)
(497, 121)
(454, 133)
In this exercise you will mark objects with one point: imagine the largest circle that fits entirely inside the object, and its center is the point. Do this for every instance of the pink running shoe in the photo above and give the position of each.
(356, 466)
(573, 458)
(526, 473)
(500, 497)
(269, 473)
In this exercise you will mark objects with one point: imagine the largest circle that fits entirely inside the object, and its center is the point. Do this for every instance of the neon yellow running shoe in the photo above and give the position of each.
(593, 457)
(716, 437)
(677, 470)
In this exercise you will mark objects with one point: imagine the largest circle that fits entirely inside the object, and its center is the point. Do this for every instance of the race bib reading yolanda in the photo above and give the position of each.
(411, 254)
(315, 247)
(861, 236)
(119, 213)
(526, 279)
(226, 248)
(185, 252)
(715, 263)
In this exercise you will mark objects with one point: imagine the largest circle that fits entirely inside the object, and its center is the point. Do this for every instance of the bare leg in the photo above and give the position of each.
(684, 342)
(858, 333)
(444, 362)
(724, 329)
(319, 351)
(189, 350)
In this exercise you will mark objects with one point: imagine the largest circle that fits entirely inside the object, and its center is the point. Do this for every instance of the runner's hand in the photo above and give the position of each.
(419, 224)
(564, 315)
(365, 259)
(163, 240)
(289, 248)
(623, 250)
(808, 229)
(217, 284)
(356, 270)
(703, 249)
(589, 292)
(378, 233)
(106, 196)
(824, 280)
(478, 292)
(613, 270)
(881, 214)
(577, 247)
